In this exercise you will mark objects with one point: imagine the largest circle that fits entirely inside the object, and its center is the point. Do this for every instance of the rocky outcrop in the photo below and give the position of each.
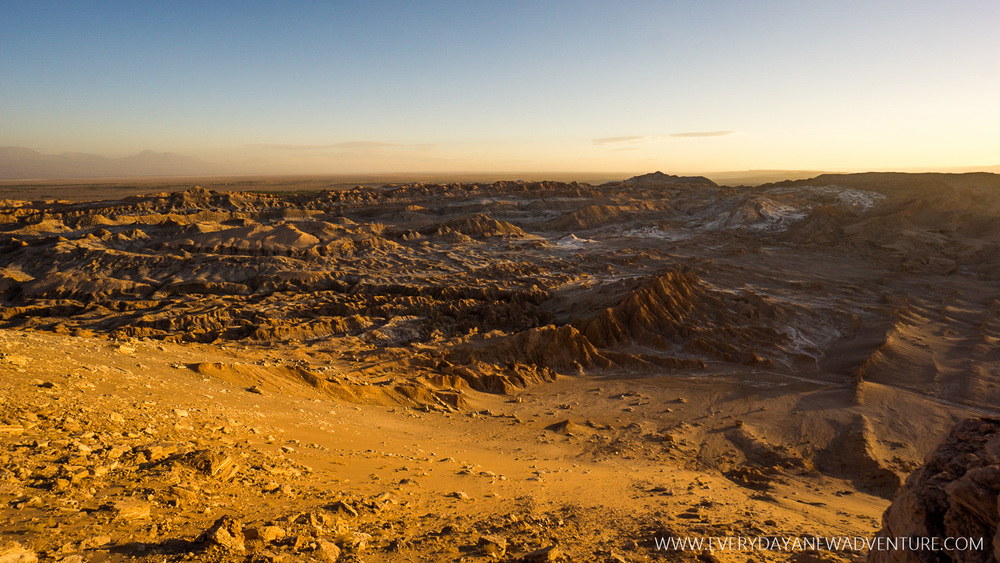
(654, 178)
(953, 495)
(677, 311)
(476, 226)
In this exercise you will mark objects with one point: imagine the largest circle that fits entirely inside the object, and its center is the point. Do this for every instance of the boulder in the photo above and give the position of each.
(953, 495)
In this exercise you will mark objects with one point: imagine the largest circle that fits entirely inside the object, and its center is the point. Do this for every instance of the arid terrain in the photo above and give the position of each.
(503, 371)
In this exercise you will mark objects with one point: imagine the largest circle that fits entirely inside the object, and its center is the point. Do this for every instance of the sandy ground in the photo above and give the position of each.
(601, 490)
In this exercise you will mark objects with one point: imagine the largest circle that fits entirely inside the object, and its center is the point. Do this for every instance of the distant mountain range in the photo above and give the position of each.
(18, 163)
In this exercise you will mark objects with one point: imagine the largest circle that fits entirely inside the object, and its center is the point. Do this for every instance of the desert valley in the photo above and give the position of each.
(503, 371)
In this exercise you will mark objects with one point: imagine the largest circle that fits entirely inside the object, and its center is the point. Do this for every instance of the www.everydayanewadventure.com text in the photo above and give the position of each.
(818, 543)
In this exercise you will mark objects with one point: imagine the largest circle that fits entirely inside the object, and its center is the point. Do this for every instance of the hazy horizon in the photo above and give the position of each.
(21, 164)
(450, 87)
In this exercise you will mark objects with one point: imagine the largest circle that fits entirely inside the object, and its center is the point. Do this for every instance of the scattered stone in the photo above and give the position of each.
(16, 360)
(227, 533)
(26, 502)
(272, 557)
(130, 509)
(95, 542)
(492, 546)
(13, 552)
(341, 507)
(566, 427)
(181, 492)
(158, 452)
(327, 551)
(213, 464)
(354, 541)
(266, 534)
(300, 542)
(549, 554)
(460, 495)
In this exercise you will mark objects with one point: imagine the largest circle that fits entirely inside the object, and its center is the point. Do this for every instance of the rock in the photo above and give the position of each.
(13, 552)
(98, 471)
(74, 473)
(15, 360)
(309, 519)
(548, 554)
(399, 544)
(158, 452)
(354, 541)
(181, 492)
(226, 532)
(954, 494)
(266, 534)
(214, 464)
(300, 542)
(130, 509)
(341, 507)
(26, 502)
(272, 557)
(460, 495)
(327, 551)
(566, 427)
(492, 546)
(95, 542)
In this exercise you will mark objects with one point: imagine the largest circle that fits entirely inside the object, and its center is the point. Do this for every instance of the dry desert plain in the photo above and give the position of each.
(484, 371)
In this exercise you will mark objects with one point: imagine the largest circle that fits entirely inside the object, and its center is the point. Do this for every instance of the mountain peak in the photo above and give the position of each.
(661, 178)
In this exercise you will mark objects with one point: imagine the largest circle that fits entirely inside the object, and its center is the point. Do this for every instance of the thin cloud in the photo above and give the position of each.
(691, 134)
(363, 145)
(346, 145)
(634, 139)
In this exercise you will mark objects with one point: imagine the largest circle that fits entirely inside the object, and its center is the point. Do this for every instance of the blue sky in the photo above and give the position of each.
(501, 86)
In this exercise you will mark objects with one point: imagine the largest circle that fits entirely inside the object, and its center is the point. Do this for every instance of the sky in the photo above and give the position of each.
(434, 86)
